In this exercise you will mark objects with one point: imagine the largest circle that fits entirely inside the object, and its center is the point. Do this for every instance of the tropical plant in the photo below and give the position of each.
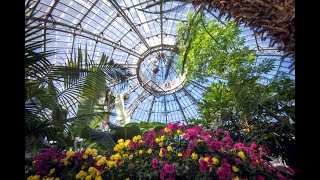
(208, 48)
(245, 102)
(62, 100)
(177, 152)
(274, 20)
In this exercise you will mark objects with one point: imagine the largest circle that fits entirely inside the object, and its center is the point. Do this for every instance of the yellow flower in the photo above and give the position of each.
(136, 138)
(127, 142)
(236, 178)
(115, 157)
(52, 171)
(162, 138)
(35, 177)
(92, 170)
(169, 148)
(149, 151)
(101, 161)
(88, 177)
(131, 156)
(85, 156)
(158, 140)
(66, 163)
(56, 178)
(140, 151)
(160, 153)
(241, 155)
(161, 144)
(215, 160)
(179, 131)
(70, 153)
(206, 159)
(167, 130)
(98, 178)
(120, 141)
(124, 155)
(194, 156)
(179, 154)
(111, 164)
(81, 174)
(235, 169)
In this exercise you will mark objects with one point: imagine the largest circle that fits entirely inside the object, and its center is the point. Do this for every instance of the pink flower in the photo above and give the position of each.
(252, 146)
(192, 144)
(133, 145)
(291, 171)
(155, 163)
(260, 177)
(237, 160)
(174, 126)
(214, 145)
(204, 167)
(238, 145)
(186, 154)
(149, 138)
(167, 169)
(227, 140)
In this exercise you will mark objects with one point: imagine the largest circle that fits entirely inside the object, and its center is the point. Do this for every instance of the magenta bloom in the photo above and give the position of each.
(237, 160)
(214, 145)
(167, 169)
(149, 138)
(174, 126)
(133, 145)
(192, 144)
(260, 177)
(155, 163)
(227, 140)
(291, 171)
(204, 167)
(186, 154)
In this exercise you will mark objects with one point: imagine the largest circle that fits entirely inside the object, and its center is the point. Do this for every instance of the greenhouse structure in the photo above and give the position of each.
(159, 89)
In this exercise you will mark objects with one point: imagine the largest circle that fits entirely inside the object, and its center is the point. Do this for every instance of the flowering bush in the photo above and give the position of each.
(177, 152)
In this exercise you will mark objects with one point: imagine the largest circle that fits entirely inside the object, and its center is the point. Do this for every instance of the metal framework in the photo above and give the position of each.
(121, 30)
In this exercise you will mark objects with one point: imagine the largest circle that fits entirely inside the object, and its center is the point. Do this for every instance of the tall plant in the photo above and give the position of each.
(60, 101)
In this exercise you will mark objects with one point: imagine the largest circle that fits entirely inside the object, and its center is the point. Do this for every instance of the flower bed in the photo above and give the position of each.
(177, 152)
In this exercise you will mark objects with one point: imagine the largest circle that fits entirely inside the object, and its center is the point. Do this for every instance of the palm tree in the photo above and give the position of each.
(61, 100)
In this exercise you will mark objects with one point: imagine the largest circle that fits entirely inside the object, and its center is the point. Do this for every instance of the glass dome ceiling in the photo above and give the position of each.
(142, 41)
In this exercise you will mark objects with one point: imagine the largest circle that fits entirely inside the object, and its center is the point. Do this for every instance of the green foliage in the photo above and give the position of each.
(252, 110)
(145, 126)
(207, 47)
(53, 92)
(244, 102)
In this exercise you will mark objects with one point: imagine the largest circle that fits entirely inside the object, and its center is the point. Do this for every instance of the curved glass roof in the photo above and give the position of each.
(142, 41)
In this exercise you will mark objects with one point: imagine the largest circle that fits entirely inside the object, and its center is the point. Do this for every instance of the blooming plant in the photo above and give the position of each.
(177, 152)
